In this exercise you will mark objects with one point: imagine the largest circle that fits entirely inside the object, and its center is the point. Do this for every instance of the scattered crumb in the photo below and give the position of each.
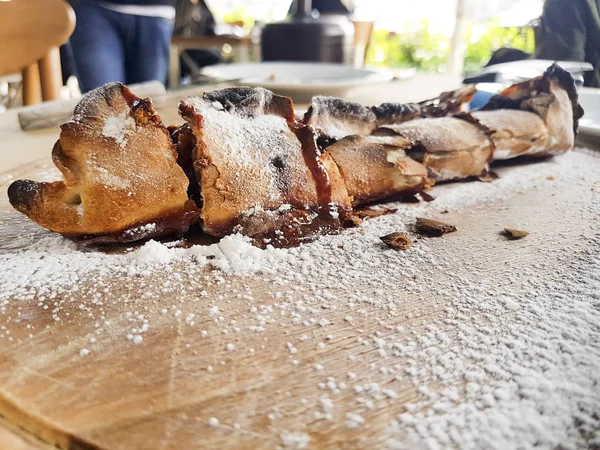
(426, 197)
(550, 178)
(515, 234)
(399, 241)
(432, 227)
(488, 177)
(370, 213)
(358, 215)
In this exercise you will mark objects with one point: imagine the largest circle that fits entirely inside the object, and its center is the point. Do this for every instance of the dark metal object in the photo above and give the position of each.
(303, 37)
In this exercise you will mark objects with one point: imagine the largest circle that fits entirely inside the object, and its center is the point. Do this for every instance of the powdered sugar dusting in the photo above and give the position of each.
(243, 136)
(436, 347)
(112, 181)
(295, 441)
(32, 273)
(119, 127)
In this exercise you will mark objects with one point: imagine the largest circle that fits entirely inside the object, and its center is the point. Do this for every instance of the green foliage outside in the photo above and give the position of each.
(424, 50)
(240, 15)
(428, 51)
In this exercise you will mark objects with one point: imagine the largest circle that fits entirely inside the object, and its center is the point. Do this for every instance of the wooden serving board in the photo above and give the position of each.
(163, 392)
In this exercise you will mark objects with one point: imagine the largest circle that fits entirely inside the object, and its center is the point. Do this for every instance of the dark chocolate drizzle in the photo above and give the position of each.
(185, 144)
(311, 153)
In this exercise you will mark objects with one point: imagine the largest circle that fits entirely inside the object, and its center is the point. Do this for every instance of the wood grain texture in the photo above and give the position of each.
(13, 439)
(160, 394)
(50, 75)
(32, 90)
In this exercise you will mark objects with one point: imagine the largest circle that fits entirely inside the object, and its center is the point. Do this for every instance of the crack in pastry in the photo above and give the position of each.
(121, 179)
(185, 143)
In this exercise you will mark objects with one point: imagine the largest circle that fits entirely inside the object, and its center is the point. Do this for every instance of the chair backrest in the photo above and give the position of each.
(363, 32)
(29, 29)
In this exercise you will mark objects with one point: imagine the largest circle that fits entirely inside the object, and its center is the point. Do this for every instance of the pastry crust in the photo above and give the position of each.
(538, 117)
(515, 133)
(447, 103)
(121, 178)
(451, 148)
(250, 160)
(377, 167)
(335, 119)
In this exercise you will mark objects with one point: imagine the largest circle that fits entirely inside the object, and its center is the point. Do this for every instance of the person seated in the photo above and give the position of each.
(570, 31)
(121, 40)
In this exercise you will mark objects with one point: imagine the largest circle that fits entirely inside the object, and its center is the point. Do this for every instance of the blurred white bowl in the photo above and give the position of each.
(298, 80)
(589, 125)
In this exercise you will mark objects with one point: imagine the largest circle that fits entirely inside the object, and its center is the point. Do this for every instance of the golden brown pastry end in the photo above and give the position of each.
(121, 177)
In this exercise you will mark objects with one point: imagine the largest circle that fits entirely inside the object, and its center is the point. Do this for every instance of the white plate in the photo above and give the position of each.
(530, 68)
(299, 80)
(589, 125)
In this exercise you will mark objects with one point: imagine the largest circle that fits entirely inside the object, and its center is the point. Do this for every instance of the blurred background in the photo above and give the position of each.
(418, 33)
(182, 43)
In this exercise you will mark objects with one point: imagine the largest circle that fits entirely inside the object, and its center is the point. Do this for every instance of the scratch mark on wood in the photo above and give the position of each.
(170, 426)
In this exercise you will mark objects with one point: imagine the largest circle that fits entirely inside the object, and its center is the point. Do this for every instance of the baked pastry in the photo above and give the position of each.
(378, 167)
(451, 148)
(333, 118)
(242, 162)
(543, 117)
(254, 164)
(121, 178)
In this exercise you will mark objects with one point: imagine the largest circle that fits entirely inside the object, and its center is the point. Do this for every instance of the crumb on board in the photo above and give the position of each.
(513, 233)
(432, 227)
(398, 241)
(488, 177)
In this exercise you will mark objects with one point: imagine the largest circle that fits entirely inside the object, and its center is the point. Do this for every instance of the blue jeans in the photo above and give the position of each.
(111, 46)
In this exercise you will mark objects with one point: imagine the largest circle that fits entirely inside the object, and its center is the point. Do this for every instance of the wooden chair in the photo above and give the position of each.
(363, 31)
(31, 32)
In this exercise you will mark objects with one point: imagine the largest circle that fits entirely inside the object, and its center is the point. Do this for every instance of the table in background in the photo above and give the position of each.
(180, 43)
